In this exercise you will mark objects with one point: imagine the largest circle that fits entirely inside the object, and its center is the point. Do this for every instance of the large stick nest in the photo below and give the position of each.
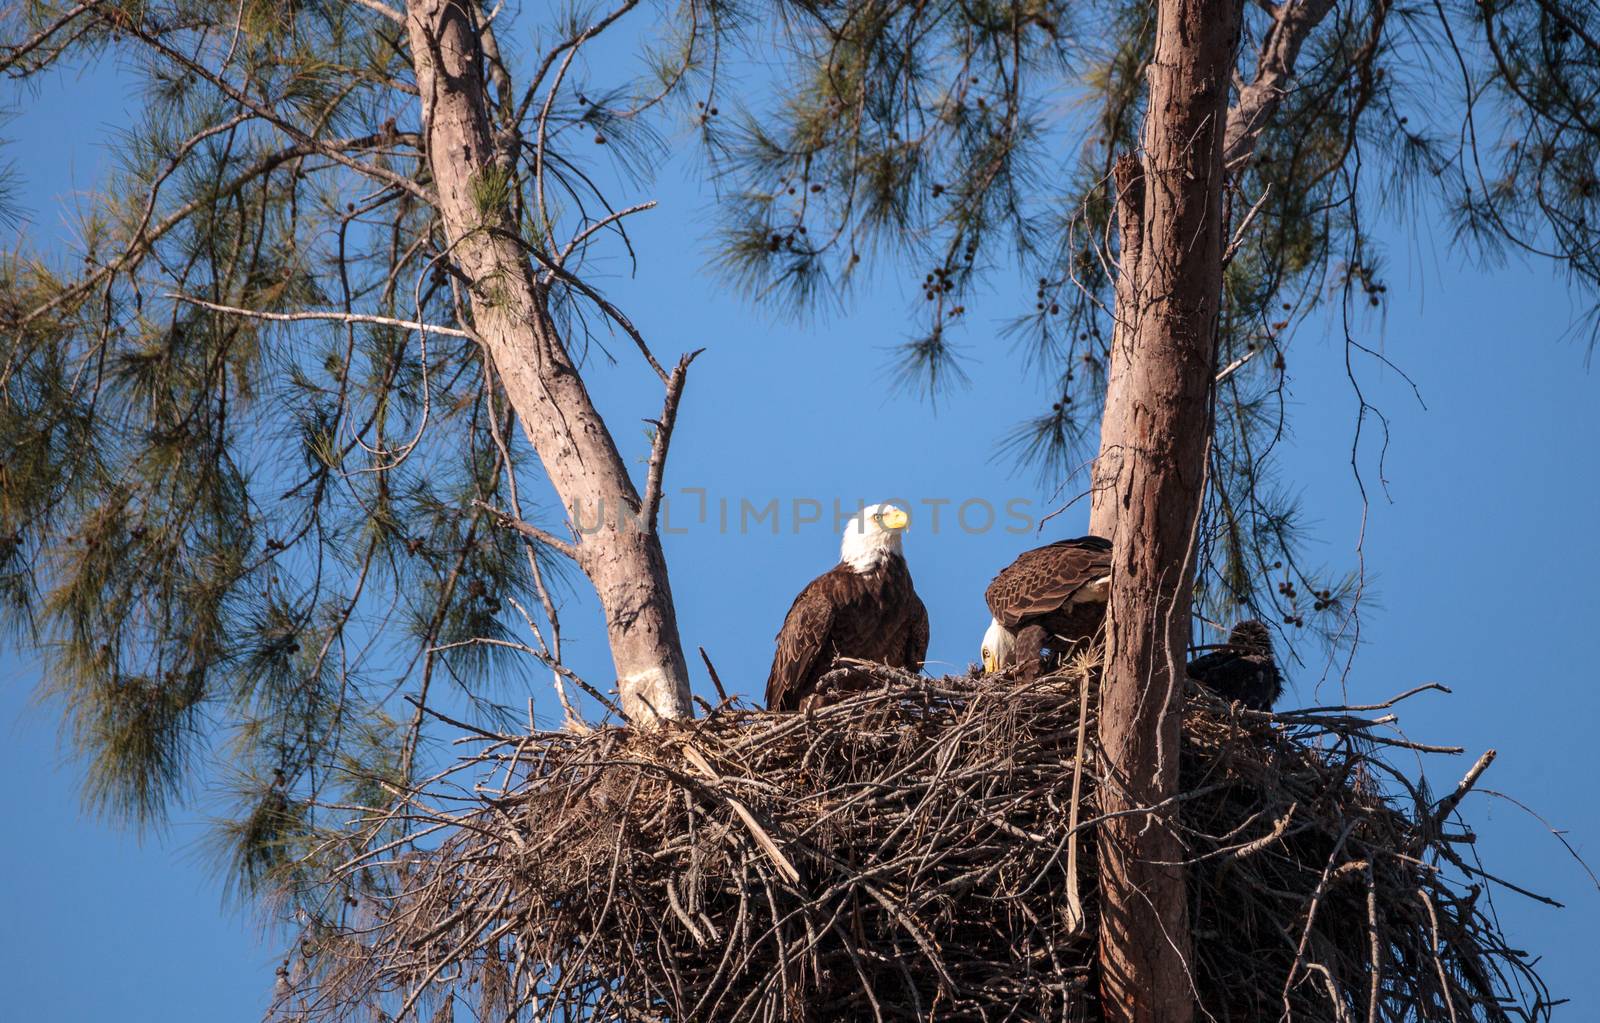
(909, 853)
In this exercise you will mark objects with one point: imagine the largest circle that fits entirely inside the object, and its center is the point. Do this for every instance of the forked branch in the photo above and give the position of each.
(663, 439)
(1292, 23)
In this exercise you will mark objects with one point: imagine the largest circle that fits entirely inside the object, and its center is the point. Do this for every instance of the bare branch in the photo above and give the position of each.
(1293, 22)
(383, 10)
(322, 315)
(1229, 370)
(1386, 704)
(1448, 804)
(531, 531)
(1239, 232)
(556, 51)
(716, 679)
(663, 438)
(566, 277)
(598, 225)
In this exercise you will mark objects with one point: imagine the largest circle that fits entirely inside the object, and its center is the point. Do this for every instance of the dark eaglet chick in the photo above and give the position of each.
(1243, 668)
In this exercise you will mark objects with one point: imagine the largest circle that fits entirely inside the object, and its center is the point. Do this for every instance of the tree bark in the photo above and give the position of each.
(620, 550)
(1292, 24)
(1156, 427)
(1128, 178)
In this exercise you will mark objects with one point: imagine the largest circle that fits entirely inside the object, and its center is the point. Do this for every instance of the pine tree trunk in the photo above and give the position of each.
(1128, 178)
(1156, 427)
(620, 554)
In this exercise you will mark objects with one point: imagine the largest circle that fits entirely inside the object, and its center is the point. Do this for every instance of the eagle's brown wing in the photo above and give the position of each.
(917, 635)
(805, 639)
(1045, 579)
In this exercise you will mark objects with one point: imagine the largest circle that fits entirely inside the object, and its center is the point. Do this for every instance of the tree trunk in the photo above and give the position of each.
(1156, 427)
(1128, 178)
(620, 552)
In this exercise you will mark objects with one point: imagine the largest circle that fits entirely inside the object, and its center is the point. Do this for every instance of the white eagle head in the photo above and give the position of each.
(872, 535)
(998, 646)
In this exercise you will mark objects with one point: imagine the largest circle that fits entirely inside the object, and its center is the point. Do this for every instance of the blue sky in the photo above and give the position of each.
(1480, 549)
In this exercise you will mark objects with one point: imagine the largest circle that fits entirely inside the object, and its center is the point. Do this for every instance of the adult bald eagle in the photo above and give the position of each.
(1046, 603)
(1243, 668)
(864, 607)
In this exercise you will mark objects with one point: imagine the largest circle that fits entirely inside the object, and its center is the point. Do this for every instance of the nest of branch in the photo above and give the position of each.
(917, 851)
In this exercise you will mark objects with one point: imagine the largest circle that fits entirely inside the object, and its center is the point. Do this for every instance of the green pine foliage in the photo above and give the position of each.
(980, 139)
(242, 542)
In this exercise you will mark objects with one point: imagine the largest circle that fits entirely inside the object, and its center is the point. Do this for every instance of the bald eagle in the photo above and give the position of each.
(864, 607)
(1243, 668)
(1046, 603)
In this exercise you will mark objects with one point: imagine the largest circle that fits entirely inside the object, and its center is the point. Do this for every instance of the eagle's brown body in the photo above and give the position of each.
(1052, 599)
(874, 615)
(1242, 669)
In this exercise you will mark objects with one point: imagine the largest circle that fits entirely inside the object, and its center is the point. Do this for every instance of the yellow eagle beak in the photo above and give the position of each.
(894, 518)
(988, 663)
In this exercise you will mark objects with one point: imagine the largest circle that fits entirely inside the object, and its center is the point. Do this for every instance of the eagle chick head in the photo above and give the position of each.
(1251, 636)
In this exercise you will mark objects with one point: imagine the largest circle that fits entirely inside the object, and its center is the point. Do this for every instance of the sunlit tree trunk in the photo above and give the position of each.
(1155, 432)
(619, 549)
(1128, 178)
